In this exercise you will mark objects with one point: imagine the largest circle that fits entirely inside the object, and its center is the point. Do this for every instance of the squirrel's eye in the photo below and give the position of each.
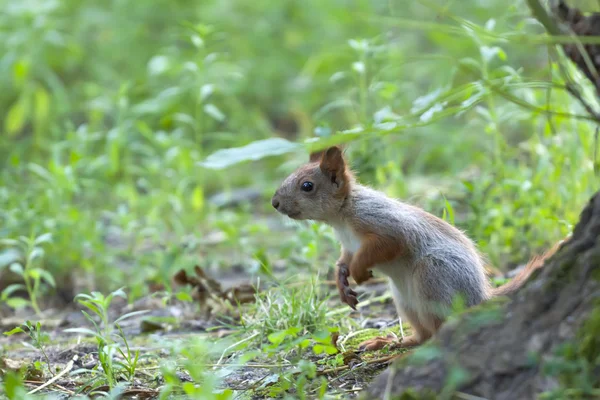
(307, 186)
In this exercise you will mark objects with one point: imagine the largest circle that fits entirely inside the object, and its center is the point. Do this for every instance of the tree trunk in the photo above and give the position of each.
(546, 338)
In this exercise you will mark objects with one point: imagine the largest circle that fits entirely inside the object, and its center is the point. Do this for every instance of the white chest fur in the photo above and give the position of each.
(347, 237)
(398, 271)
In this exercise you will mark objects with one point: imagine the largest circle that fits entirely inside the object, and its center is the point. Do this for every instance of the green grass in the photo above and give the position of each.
(110, 109)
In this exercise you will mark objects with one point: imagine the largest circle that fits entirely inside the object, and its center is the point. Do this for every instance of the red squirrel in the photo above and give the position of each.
(428, 261)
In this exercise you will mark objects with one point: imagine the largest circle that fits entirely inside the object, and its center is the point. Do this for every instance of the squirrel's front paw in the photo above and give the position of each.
(347, 295)
(360, 275)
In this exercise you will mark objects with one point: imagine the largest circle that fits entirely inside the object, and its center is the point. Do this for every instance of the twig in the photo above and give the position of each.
(571, 86)
(67, 368)
(259, 366)
(59, 387)
(235, 345)
(575, 93)
(539, 12)
(361, 304)
(370, 362)
(513, 99)
(64, 389)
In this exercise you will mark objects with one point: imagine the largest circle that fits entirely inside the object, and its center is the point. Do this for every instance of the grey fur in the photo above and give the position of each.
(443, 261)
(437, 261)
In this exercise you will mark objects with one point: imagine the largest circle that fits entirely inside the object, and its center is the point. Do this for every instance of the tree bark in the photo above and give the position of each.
(513, 350)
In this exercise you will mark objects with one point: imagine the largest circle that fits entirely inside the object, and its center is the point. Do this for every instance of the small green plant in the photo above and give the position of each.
(192, 356)
(24, 258)
(99, 305)
(39, 338)
(112, 370)
(300, 381)
(294, 321)
(130, 359)
(288, 307)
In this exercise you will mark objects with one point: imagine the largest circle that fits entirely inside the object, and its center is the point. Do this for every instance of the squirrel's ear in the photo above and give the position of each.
(333, 164)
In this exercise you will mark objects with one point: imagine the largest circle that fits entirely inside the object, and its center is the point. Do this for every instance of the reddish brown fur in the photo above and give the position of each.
(375, 249)
(334, 166)
(519, 280)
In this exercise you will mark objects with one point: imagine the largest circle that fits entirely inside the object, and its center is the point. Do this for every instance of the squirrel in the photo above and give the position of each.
(427, 260)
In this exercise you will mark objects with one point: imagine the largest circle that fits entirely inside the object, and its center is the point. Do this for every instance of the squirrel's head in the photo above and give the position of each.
(316, 190)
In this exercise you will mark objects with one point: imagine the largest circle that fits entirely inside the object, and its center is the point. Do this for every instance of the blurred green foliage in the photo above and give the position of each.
(109, 107)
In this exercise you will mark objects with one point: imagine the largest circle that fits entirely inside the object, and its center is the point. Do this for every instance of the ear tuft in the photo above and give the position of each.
(333, 164)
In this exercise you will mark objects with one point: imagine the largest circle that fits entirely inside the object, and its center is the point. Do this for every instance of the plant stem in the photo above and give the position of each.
(30, 290)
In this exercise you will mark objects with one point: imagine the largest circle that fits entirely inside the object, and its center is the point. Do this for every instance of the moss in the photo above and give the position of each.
(367, 334)
(563, 273)
(589, 336)
(575, 363)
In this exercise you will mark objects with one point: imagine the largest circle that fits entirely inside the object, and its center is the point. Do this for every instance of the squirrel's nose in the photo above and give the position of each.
(275, 203)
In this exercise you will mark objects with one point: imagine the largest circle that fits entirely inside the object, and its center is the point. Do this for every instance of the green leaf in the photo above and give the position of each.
(448, 211)
(13, 386)
(83, 296)
(15, 119)
(292, 331)
(35, 273)
(198, 198)
(265, 266)
(131, 314)
(41, 172)
(214, 112)
(17, 303)
(224, 395)
(330, 349)
(48, 278)
(84, 331)
(42, 105)
(119, 293)
(18, 329)
(9, 242)
(253, 151)
(45, 238)
(16, 268)
(37, 252)
(324, 348)
(323, 337)
(10, 289)
(9, 256)
(468, 185)
(184, 296)
(277, 337)
(20, 71)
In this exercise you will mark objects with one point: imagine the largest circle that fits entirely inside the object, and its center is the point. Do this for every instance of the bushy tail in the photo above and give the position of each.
(535, 263)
